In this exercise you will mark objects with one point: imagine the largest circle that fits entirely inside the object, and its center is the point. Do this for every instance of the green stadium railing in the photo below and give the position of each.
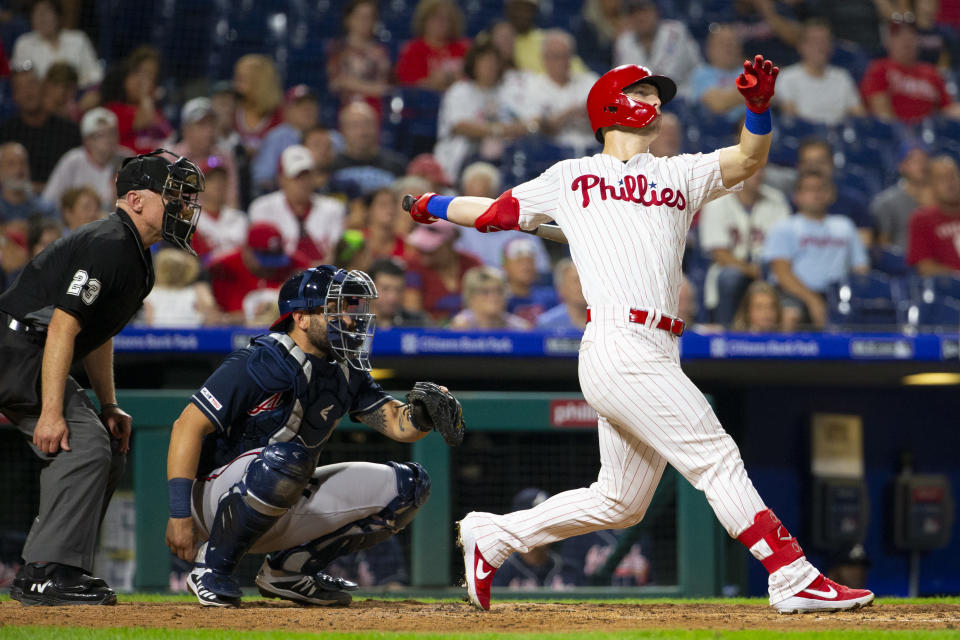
(700, 539)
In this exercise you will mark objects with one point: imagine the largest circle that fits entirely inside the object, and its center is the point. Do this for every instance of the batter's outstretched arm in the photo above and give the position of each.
(393, 420)
(756, 85)
(742, 161)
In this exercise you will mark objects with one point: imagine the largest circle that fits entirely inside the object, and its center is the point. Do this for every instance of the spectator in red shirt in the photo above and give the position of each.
(130, 92)
(243, 273)
(434, 59)
(902, 88)
(934, 236)
(435, 274)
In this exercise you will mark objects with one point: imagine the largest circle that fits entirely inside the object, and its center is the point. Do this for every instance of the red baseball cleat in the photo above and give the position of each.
(477, 572)
(823, 594)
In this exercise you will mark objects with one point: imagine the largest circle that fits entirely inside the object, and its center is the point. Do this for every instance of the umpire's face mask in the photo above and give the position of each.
(350, 323)
(181, 210)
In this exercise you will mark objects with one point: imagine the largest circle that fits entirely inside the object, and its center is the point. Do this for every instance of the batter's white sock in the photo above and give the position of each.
(770, 543)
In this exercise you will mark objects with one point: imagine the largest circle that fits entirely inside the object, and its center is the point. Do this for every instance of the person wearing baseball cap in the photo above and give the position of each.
(64, 310)
(526, 298)
(94, 163)
(198, 124)
(260, 264)
(300, 113)
(436, 271)
(309, 223)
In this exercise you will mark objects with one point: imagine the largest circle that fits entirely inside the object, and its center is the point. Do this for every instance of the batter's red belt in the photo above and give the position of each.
(666, 323)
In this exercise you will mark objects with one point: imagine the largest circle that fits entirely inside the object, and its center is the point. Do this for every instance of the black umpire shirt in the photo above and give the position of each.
(100, 274)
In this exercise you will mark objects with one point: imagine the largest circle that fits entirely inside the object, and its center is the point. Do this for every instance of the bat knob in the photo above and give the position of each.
(408, 202)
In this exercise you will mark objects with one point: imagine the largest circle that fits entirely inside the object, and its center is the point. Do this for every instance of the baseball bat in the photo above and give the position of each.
(546, 231)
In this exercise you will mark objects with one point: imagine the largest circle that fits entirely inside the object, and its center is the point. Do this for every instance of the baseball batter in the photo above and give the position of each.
(242, 464)
(625, 214)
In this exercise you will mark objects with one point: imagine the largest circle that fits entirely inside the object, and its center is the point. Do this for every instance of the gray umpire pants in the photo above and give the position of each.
(75, 485)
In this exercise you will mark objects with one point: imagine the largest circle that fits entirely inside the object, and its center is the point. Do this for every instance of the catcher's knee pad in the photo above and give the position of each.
(413, 489)
(275, 480)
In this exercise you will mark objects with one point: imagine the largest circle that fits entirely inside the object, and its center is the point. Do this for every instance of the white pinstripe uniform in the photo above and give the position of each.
(627, 225)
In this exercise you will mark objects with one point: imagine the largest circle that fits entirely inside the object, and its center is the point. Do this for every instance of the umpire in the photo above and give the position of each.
(65, 308)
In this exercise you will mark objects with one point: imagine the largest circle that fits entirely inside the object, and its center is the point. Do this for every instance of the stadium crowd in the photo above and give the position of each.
(310, 121)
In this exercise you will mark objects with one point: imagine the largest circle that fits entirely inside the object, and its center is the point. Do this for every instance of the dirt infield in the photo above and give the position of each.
(517, 617)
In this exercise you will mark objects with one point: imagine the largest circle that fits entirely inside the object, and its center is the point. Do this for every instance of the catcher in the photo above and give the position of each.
(242, 464)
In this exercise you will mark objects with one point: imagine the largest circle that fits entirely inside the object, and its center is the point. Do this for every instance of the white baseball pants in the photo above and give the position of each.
(651, 414)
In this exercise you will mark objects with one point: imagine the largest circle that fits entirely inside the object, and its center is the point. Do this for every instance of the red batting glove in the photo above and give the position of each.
(756, 82)
(418, 211)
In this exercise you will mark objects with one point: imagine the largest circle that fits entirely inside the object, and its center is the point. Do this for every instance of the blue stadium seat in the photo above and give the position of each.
(305, 57)
(873, 299)
(410, 120)
(480, 14)
(179, 22)
(935, 302)
(122, 25)
(864, 181)
(706, 130)
(851, 58)
(7, 107)
(12, 29)
(871, 132)
(243, 27)
(527, 158)
(889, 260)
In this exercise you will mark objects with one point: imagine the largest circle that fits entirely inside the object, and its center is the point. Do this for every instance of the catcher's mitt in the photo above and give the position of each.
(432, 408)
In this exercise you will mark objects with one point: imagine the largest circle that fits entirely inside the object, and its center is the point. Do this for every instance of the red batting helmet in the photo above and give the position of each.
(607, 106)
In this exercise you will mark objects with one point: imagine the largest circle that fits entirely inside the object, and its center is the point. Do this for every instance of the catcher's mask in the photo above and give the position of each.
(179, 183)
(345, 299)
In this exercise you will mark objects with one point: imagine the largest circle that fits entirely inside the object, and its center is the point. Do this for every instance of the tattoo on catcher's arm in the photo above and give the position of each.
(376, 419)
(405, 417)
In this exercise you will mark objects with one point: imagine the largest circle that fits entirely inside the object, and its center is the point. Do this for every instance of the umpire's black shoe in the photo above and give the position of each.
(53, 584)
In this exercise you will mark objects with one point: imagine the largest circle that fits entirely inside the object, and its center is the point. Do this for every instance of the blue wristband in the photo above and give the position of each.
(437, 206)
(180, 490)
(758, 123)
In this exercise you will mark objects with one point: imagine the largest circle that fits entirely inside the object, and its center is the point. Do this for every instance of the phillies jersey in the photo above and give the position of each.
(626, 221)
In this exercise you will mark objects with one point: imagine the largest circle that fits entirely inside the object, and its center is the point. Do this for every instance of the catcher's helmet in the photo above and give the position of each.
(608, 106)
(178, 183)
(345, 299)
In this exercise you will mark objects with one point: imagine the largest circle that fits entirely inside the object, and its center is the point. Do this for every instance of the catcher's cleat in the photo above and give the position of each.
(319, 588)
(214, 589)
(53, 584)
(823, 594)
(477, 572)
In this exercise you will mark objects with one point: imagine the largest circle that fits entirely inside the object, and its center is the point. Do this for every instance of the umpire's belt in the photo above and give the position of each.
(29, 331)
(666, 323)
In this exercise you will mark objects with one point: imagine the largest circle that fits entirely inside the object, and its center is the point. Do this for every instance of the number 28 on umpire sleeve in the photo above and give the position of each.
(82, 285)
